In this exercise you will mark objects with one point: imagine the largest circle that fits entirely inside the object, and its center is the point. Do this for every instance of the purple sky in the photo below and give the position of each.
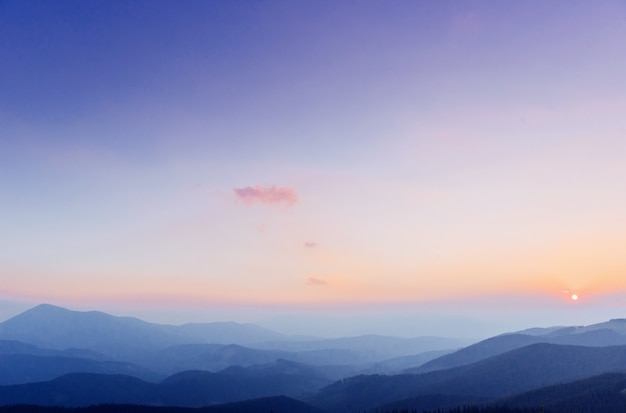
(379, 164)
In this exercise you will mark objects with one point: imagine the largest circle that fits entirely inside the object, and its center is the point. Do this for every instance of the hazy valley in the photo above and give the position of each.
(51, 356)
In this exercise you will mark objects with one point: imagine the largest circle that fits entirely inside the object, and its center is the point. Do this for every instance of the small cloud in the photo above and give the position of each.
(315, 281)
(266, 195)
(310, 244)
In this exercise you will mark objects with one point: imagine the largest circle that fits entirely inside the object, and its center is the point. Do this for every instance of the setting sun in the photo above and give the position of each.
(574, 297)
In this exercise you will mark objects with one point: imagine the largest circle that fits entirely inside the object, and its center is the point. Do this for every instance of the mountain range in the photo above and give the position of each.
(54, 327)
(278, 404)
(57, 357)
(517, 371)
(609, 333)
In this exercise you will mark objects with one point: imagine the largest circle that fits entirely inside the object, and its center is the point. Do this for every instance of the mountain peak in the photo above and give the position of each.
(45, 307)
(121, 338)
(54, 327)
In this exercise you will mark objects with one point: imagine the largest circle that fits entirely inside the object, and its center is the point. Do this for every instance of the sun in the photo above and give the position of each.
(574, 297)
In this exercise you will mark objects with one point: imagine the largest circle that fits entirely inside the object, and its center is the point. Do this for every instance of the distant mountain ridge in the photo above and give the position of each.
(187, 389)
(198, 345)
(276, 404)
(531, 367)
(516, 371)
(602, 393)
(25, 368)
(487, 348)
(53, 356)
(121, 338)
(610, 333)
(212, 357)
(375, 346)
(17, 347)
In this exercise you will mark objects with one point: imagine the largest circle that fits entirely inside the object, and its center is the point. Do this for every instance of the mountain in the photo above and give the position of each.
(189, 388)
(25, 368)
(215, 357)
(120, 338)
(617, 324)
(519, 370)
(372, 348)
(166, 349)
(58, 328)
(403, 364)
(209, 357)
(610, 333)
(277, 404)
(82, 389)
(315, 377)
(602, 393)
(476, 352)
(201, 388)
(149, 350)
(17, 347)
(432, 402)
(224, 332)
(26, 363)
(489, 371)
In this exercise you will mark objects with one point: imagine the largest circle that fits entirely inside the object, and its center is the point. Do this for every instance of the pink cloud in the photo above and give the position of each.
(310, 244)
(269, 195)
(315, 281)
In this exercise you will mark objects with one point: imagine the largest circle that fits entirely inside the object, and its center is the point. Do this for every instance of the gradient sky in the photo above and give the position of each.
(387, 164)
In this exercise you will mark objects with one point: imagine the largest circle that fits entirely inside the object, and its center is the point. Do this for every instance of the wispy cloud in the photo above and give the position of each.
(266, 195)
(310, 244)
(315, 281)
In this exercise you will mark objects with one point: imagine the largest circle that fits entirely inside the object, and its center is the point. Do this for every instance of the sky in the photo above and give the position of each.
(316, 167)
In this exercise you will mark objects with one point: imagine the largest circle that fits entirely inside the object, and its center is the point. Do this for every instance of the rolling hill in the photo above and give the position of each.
(602, 393)
(278, 404)
(25, 368)
(41, 345)
(476, 352)
(372, 348)
(119, 338)
(211, 346)
(519, 370)
(610, 333)
(188, 389)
